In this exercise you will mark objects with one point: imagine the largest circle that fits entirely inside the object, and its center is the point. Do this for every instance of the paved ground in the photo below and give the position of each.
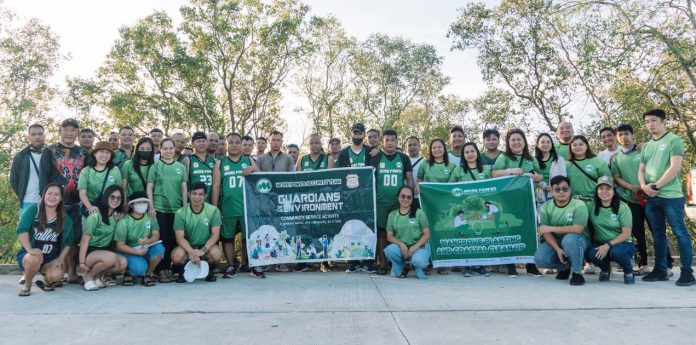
(336, 308)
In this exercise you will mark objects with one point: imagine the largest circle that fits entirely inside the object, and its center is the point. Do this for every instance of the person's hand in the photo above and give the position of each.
(151, 212)
(416, 190)
(544, 229)
(35, 252)
(635, 189)
(117, 216)
(515, 171)
(404, 250)
(248, 170)
(561, 256)
(141, 251)
(374, 152)
(92, 209)
(143, 241)
(412, 251)
(196, 260)
(196, 253)
(536, 177)
(647, 189)
(55, 264)
(602, 251)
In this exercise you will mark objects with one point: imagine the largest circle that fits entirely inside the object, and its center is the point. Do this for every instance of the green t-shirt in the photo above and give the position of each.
(504, 162)
(231, 183)
(197, 227)
(166, 180)
(563, 150)
(101, 234)
(307, 164)
(656, 157)
(50, 241)
(574, 213)
(120, 157)
(438, 172)
(390, 178)
(129, 230)
(202, 171)
(135, 183)
(607, 225)
(488, 161)
(580, 183)
(406, 229)
(460, 175)
(626, 165)
(357, 159)
(92, 181)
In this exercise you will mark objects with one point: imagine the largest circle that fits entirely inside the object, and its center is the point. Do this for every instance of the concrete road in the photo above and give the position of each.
(337, 308)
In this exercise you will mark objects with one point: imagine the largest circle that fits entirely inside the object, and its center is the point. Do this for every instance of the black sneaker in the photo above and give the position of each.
(686, 278)
(563, 275)
(369, 268)
(404, 273)
(257, 273)
(512, 271)
(352, 268)
(230, 272)
(577, 279)
(533, 271)
(180, 278)
(604, 276)
(211, 278)
(656, 275)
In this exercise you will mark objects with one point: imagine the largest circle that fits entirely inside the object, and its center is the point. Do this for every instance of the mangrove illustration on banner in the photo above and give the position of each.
(488, 222)
(310, 216)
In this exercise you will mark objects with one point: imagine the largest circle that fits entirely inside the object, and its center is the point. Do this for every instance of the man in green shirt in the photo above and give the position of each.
(457, 139)
(200, 164)
(658, 175)
(564, 133)
(315, 160)
(491, 141)
(125, 151)
(197, 231)
(564, 232)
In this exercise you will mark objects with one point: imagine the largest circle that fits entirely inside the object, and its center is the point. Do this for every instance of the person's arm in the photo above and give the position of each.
(214, 237)
(421, 242)
(149, 190)
(154, 237)
(409, 178)
(331, 162)
(551, 240)
(675, 163)
(568, 229)
(14, 175)
(26, 244)
(641, 179)
(298, 166)
(215, 196)
(84, 243)
(85, 201)
(250, 169)
(184, 199)
(621, 182)
(122, 247)
(182, 242)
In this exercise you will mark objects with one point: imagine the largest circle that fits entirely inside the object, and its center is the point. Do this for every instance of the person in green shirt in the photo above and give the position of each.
(437, 168)
(197, 229)
(45, 234)
(200, 164)
(96, 257)
(408, 232)
(550, 163)
(610, 232)
(316, 159)
(584, 168)
(564, 231)
(658, 175)
(472, 167)
(137, 239)
(134, 171)
(392, 169)
(457, 139)
(491, 141)
(564, 133)
(125, 150)
(166, 189)
(95, 178)
(228, 180)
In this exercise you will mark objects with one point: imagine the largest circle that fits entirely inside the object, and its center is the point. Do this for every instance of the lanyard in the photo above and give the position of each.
(36, 168)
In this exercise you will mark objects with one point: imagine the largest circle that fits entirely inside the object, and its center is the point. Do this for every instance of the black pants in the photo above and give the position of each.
(638, 231)
(166, 225)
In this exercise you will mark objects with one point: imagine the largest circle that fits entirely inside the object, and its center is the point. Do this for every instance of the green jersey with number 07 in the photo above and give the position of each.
(231, 180)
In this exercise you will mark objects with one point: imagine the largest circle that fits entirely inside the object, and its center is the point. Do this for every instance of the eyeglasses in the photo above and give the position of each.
(561, 189)
(115, 197)
(405, 197)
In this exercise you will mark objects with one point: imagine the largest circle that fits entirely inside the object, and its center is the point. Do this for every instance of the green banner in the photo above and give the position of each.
(310, 216)
(489, 222)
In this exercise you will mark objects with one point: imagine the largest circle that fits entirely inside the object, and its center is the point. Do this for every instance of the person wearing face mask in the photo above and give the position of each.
(134, 171)
(137, 238)
(357, 154)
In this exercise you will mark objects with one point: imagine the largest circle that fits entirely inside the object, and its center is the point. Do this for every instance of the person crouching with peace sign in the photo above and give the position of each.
(45, 234)
(408, 232)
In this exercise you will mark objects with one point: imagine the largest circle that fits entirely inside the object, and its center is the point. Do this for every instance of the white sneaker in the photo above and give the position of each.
(100, 282)
(91, 286)
(589, 269)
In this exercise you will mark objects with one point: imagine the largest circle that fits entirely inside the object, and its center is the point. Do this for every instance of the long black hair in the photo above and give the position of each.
(104, 202)
(525, 151)
(479, 163)
(60, 213)
(615, 205)
(431, 158)
(412, 212)
(137, 156)
(540, 156)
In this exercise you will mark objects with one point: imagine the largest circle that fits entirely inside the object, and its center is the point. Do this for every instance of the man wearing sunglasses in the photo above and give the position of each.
(564, 232)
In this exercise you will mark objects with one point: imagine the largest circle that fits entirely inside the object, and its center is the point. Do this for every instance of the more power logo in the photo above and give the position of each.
(263, 185)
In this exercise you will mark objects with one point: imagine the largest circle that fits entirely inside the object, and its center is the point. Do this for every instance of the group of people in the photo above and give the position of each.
(145, 209)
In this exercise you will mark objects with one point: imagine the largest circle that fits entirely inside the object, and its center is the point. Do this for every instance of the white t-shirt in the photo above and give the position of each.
(606, 155)
(457, 160)
(33, 194)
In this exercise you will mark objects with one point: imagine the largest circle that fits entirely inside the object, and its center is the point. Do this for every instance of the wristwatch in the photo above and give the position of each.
(654, 187)
(204, 249)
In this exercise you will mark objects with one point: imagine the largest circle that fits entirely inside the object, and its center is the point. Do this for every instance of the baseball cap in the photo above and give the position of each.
(358, 127)
(198, 135)
(607, 180)
(70, 122)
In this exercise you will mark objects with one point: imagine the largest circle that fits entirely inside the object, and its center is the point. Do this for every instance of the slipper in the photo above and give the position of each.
(24, 292)
(44, 286)
(79, 280)
(163, 278)
(147, 281)
(58, 285)
(128, 280)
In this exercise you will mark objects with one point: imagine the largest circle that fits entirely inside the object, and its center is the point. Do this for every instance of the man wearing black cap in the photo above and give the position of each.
(62, 163)
(200, 164)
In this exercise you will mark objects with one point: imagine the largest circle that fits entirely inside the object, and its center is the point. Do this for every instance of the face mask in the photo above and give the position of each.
(146, 154)
(140, 207)
(357, 141)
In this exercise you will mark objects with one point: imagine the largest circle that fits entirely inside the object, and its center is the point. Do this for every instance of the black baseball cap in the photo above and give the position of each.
(358, 127)
(70, 122)
(198, 135)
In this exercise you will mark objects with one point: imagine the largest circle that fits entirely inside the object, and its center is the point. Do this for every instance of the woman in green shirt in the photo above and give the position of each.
(517, 161)
(551, 164)
(134, 171)
(95, 178)
(96, 256)
(471, 168)
(45, 234)
(438, 168)
(610, 232)
(166, 189)
(584, 168)
(408, 232)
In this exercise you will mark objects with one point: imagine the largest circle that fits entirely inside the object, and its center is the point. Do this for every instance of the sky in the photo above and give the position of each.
(88, 29)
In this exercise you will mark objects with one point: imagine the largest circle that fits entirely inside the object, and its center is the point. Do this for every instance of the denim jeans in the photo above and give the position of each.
(419, 259)
(621, 253)
(137, 265)
(573, 245)
(658, 210)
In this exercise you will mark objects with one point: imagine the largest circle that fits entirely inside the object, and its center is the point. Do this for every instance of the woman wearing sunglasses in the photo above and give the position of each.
(408, 232)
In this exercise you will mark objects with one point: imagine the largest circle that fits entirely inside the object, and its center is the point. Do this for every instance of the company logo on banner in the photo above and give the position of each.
(310, 216)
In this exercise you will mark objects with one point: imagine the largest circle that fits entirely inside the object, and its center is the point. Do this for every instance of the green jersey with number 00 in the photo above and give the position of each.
(390, 178)
(231, 182)
(197, 227)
